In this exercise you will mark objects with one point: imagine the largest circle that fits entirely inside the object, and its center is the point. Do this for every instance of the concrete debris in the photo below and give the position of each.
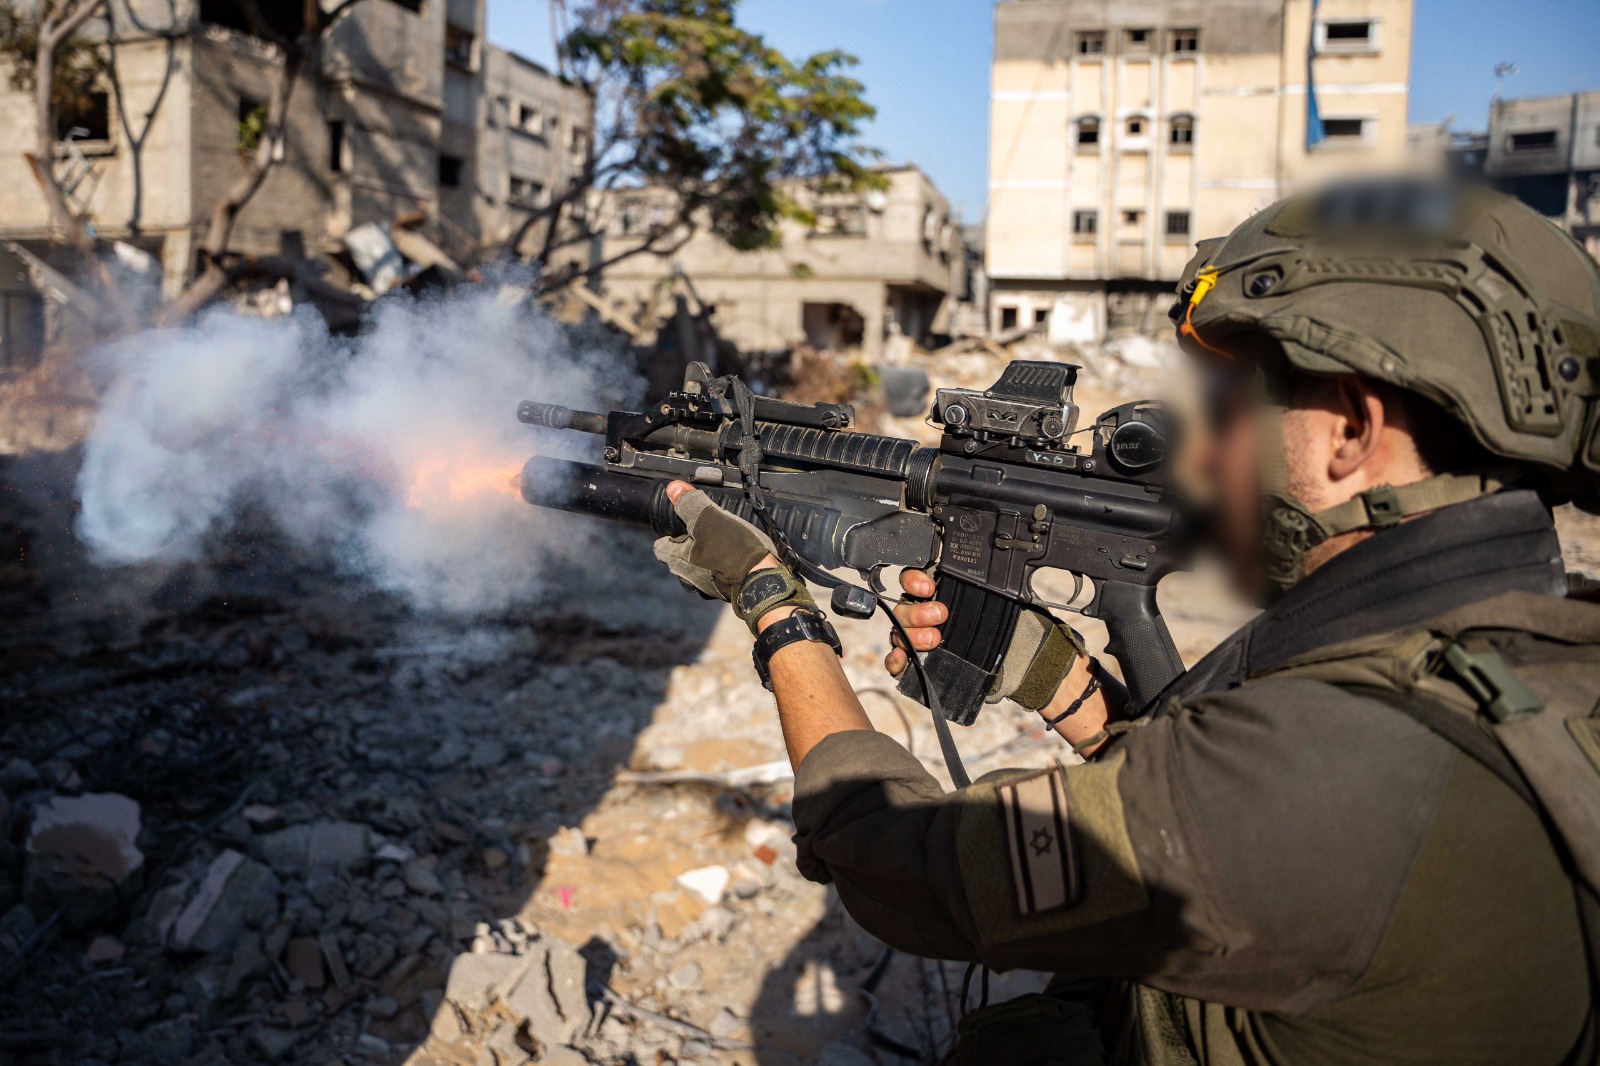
(707, 882)
(104, 950)
(477, 980)
(236, 892)
(421, 879)
(83, 855)
(274, 1044)
(302, 957)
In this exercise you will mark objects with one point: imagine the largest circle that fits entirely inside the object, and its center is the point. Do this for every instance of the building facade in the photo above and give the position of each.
(875, 264)
(1546, 152)
(410, 114)
(1122, 131)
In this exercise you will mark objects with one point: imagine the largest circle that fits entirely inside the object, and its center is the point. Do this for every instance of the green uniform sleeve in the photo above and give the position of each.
(1248, 848)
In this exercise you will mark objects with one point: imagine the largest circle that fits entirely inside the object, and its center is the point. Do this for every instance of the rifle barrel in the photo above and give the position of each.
(554, 416)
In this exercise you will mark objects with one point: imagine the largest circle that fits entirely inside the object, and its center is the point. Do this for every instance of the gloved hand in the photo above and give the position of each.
(1041, 652)
(723, 557)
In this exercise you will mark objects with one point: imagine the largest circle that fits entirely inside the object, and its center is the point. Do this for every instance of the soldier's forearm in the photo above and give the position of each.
(815, 699)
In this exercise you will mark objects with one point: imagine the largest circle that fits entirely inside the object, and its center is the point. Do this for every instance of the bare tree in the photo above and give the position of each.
(50, 28)
(222, 270)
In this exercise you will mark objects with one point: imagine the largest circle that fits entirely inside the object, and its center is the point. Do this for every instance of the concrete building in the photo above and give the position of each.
(410, 112)
(1546, 152)
(1121, 131)
(874, 264)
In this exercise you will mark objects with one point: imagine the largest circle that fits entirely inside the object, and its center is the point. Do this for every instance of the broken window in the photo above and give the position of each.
(1180, 132)
(1136, 40)
(528, 119)
(1185, 42)
(526, 193)
(1532, 141)
(1177, 223)
(336, 146)
(1008, 319)
(1088, 130)
(840, 220)
(1085, 223)
(450, 169)
(1041, 316)
(1344, 129)
(1348, 35)
(90, 121)
(1092, 43)
(460, 48)
(253, 126)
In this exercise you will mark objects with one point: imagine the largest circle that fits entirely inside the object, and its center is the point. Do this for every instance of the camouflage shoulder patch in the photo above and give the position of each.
(1038, 818)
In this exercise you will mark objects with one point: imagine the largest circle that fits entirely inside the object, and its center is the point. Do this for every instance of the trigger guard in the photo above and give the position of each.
(1035, 600)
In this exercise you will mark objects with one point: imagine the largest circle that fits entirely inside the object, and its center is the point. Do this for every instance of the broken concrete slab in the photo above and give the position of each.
(476, 981)
(708, 882)
(302, 957)
(236, 892)
(83, 855)
(104, 950)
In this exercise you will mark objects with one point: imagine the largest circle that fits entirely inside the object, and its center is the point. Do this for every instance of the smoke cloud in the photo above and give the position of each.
(393, 451)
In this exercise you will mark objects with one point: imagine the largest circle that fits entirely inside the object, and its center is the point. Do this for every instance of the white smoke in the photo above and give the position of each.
(392, 450)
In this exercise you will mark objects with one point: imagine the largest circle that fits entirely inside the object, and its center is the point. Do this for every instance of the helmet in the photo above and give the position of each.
(1455, 292)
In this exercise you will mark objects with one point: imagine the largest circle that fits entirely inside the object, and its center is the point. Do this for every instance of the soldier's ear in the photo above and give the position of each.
(1360, 417)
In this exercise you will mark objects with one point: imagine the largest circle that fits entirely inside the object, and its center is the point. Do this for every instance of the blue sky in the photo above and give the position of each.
(926, 64)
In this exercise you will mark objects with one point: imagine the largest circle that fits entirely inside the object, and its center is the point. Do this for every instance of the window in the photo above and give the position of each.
(1177, 224)
(1085, 223)
(1347, 36)
(1344, 129)
(840, 220)
(1185, 42)
(1136, 126)
(1180, 133)
(336, 146)
(1041, 316)
(1088, 131)
(89, 122)
(410, 5)
(1136, 40)
(525, 193)
(460, 48)
(450, 168)
(1008, 319)
(1092, 43)
(1132, 218)
(253, 126)
(528, 119)
(1533, 141)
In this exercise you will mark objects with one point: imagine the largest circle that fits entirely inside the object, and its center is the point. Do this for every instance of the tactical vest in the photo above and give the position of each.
(1511, 682)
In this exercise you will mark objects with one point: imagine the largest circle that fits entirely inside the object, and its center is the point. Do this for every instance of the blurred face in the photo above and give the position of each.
(1227, 470)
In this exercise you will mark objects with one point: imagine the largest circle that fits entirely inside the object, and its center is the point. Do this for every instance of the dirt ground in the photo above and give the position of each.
(370, 836)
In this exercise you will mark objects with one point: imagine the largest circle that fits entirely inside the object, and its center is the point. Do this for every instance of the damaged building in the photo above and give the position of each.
(411, 114)
(1120, 133)
(886, 262)
(1545, 151)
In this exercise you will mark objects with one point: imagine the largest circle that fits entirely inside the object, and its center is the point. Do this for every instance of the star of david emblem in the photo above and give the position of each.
(1042, 841)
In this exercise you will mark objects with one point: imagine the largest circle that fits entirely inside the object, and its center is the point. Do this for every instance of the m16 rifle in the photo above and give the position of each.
(1005, 495)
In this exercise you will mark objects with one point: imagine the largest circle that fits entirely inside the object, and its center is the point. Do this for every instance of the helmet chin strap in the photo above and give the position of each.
(1290, 528)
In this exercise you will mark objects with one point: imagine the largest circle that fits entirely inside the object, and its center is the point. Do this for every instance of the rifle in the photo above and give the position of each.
(1004, 495)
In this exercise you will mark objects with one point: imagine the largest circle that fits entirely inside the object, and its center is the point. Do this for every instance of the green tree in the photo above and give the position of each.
(689, 102)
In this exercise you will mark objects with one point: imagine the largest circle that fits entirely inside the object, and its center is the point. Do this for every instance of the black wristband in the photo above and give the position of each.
(805, 624)
(1088, 690)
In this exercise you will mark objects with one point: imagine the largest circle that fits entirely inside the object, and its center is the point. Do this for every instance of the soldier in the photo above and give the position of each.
(1365, 828)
